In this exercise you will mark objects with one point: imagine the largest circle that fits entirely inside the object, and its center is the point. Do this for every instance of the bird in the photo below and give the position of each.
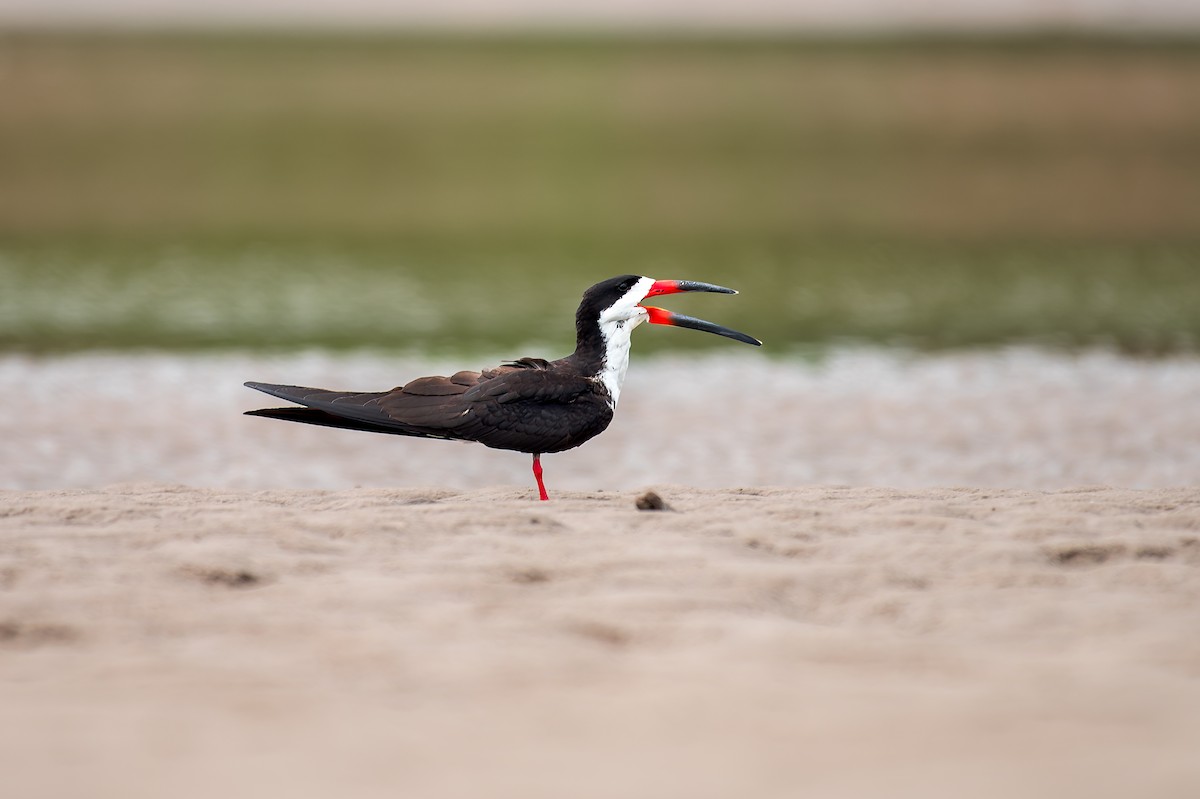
(528, 405)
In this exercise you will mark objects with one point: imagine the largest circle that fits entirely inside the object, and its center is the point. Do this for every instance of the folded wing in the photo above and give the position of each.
(520, 406)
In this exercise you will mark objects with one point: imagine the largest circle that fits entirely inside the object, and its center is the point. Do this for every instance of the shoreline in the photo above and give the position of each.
(1011, 418)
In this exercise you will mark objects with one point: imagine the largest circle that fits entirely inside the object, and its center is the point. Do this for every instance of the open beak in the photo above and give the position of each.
(661, 316)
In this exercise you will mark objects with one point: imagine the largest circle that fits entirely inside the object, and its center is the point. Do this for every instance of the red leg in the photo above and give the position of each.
(537, 473)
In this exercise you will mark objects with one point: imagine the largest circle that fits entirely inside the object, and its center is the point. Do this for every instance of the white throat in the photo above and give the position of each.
(616, 325)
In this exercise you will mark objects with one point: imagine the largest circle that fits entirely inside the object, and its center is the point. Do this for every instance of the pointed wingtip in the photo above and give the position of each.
(282, 392)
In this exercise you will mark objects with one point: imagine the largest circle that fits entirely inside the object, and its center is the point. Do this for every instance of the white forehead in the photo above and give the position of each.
(630, 298)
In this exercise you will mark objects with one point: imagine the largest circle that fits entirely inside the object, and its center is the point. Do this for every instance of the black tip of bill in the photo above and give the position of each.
(661, 316)
(696, 285)
(679, 320)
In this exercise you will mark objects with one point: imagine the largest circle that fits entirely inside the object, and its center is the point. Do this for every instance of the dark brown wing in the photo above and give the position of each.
(521, 406)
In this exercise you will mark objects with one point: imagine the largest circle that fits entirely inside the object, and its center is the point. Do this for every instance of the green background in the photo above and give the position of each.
(458, 194)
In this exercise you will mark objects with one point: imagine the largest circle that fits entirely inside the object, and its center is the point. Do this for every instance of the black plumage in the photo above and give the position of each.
(528, 405)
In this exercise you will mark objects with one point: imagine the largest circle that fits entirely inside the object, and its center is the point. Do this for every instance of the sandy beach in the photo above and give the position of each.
(158, 640)
(926, 603)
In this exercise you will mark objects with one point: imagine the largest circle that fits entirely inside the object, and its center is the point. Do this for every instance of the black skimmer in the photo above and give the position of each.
(529, 405)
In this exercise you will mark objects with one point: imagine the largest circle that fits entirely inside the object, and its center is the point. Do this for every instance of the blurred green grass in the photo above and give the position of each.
(176, 191)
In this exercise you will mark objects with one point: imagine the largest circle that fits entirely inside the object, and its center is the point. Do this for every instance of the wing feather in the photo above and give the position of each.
(522, 405)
